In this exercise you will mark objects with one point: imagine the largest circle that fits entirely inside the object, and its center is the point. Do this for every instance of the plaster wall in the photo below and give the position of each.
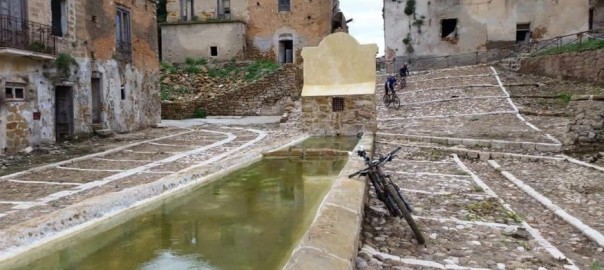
(480, 24)
(191, 40)
(206, 9)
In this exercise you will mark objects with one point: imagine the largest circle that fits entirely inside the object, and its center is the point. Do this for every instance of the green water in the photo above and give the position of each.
(345, 143)
(251, 219)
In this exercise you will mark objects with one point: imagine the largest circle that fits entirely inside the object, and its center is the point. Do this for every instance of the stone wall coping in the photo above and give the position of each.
(332, 240)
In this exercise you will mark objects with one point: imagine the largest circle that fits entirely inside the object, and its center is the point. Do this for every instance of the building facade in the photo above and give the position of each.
(69, 67)
(223, 29)
(452, 27)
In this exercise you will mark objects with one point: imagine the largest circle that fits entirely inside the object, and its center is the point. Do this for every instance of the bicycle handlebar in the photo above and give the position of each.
(375, 163)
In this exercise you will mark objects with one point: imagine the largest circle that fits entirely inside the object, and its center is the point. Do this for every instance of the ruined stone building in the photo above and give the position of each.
(223, 29)
(68, 67)
(452, 27)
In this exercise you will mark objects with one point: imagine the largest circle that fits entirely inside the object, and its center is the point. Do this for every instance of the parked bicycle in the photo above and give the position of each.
(387, 191)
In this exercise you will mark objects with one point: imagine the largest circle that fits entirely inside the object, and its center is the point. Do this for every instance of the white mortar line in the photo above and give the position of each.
(131, 172)
(512, 102)
(69, 161)
(86, 170)
(578, 162)
(551, 249)
(123, 160)
(425, 161)
(553, 139)
(161, 172)
(415, 262)
(451, 77)
(450, 87)
(451, 99)
(15, 202)
(45, 182)
(342, 207)
(405, 136)
(446, 116)
(153, 153)
(433, 174)
(467, 222)
(425, 192)
(453, 149)
(558, 211)
(170, 145)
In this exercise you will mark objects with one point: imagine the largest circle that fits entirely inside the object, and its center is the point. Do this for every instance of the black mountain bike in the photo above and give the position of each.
(387, 191)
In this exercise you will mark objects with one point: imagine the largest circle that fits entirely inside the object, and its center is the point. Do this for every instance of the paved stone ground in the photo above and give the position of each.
(471, 215)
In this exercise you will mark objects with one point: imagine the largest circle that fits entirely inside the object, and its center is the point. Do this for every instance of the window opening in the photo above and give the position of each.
(337, 104)
(523, 32)
(448, 27)
(213, 51)
(59, 17)
(187, 10)
(284, 5)
(123, 33)
(591, 18)
(14, 92)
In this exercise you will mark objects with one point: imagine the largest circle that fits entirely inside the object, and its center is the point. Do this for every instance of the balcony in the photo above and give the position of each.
(25, 38)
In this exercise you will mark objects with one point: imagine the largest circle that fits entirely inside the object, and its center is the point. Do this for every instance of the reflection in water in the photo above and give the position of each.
(249, 220)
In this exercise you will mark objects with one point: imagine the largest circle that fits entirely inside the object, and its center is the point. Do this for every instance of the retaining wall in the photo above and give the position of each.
(269, 95)
(585, 66)
(587, 128)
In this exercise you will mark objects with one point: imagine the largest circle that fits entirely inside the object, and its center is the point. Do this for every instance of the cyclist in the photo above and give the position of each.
(390, 84)
(404, 72)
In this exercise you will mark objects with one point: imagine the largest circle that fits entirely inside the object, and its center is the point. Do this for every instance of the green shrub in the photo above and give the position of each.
(596, 265)
(64, 62)
(190, 61)
(565, 97)
(168, 68)
(589, 45)
(199, 113)
(192, 69)
(166, 91)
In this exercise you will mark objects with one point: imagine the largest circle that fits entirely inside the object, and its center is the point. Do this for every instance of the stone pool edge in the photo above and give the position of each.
(331, 241)
(103, 212)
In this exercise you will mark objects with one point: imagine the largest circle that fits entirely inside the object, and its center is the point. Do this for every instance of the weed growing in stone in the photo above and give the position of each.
(199, 113)
(597, 265)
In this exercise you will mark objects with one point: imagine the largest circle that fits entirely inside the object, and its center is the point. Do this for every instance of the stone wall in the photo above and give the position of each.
(585, 66)
(359, 115)
(587, 128)
(269, 95)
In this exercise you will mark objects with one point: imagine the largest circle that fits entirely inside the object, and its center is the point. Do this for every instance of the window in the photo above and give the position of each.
(15, 92)
(523, 32)
(187, 10)
(448, 28)
(284, 5)
(122, 32)
(123, 92)
(59, 17)
(591, 19)
(226, 5)
(337, 104)
(213, 51)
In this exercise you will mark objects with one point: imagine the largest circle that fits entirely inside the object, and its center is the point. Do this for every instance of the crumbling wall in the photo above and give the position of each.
(480, 24)
(191, 40)
(269, 95)
(359, 115)
(585, 66)
(587, 128)
(306, 25)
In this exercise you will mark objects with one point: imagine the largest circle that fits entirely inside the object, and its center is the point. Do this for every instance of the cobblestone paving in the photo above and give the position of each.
(33, 194)
(471, 215)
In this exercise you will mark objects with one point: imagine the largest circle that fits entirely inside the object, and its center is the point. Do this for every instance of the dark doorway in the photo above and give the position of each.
(286, 51)
(591, 18)
(97, 101)
(63, 113)
(523, 32)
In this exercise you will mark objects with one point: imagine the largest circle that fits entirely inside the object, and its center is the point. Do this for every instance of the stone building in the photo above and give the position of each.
(223, 29)
(69, 67)
(438, 27)
(596, 14)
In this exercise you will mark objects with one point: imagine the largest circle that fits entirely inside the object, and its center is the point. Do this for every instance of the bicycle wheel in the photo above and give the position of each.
(405, 212)
(396, 102)
(386, 99)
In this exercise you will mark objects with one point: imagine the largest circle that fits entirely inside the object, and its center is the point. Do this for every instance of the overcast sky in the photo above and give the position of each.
(368, 25)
